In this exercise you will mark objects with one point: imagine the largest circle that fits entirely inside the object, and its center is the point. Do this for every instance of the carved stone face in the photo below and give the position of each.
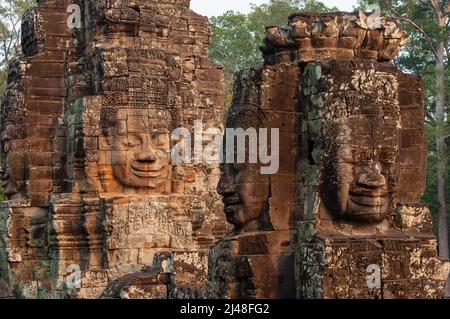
(245, 193)
(13, 160)
(140, 153)
(142, 159)
(359, 173)
(245, 190)
(13, 134)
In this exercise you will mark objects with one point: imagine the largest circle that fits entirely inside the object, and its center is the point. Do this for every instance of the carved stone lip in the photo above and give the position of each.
(374, 193)
(373, 201)
(151, 168)
(232, 200)
(153, 173)
(232, 209)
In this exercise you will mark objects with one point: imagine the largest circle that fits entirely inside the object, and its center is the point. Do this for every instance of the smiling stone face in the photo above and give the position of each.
(139, 149)
(244, 190)
(13, 133)
(356, 127)
(360, 170)
(141, 159)
(245, 193)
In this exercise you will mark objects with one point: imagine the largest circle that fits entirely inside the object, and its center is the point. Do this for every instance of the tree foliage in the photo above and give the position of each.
(236, 37)
(11, 12)
(417, 57)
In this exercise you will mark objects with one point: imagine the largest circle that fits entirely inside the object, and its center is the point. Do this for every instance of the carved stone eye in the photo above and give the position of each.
(388, 157)
(134, 141)
(237, 167)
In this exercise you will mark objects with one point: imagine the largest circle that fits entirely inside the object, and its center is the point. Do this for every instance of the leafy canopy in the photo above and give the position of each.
(236, 37)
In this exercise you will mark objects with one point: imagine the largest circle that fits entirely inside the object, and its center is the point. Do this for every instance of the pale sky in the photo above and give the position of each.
(217, 7)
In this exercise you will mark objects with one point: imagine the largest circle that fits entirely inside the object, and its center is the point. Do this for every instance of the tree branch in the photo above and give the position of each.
(439, 14)
(429, 118)
(446, 46)
(418, 28)
(398, 16)
(426, 3)
(435, 6)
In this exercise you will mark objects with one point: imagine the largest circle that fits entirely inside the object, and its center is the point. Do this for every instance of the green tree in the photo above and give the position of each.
(11, 12)
(236, 37)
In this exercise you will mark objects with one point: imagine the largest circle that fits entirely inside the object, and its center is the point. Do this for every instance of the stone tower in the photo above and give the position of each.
(342, 217)
(86, 135)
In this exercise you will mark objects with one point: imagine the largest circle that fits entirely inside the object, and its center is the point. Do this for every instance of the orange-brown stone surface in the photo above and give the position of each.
(86, 134)
(352, 170)
(97, 209)
(364, 216)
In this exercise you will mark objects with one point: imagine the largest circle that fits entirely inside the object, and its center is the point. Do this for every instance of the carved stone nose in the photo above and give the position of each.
(372, 178)
(148, 157)
(224, 186)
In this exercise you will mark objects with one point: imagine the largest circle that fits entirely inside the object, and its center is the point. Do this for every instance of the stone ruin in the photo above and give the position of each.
(86, 124)
(97, 209)
(342, 218)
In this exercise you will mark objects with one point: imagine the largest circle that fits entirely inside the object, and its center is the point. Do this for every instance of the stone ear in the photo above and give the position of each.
(109, 136)
(108, 132)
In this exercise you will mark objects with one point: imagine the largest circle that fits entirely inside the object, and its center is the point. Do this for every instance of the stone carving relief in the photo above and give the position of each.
(135, 140)
(86, 140)
(13, 132)
(360, 137)
(358, 140)
(261, 207)
(244, 190)
(100, 104)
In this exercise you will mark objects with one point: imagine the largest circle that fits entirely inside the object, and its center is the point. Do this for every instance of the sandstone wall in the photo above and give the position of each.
(87, 120)
(357, 162)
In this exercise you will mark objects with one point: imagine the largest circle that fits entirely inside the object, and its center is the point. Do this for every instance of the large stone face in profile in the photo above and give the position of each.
(352, 170)
(259, 206)
(86, 134)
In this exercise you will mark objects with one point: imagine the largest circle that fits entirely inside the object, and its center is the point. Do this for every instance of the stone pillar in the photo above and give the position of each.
(256, 259)
(358, 162)
(36, 95)
(100, 177)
